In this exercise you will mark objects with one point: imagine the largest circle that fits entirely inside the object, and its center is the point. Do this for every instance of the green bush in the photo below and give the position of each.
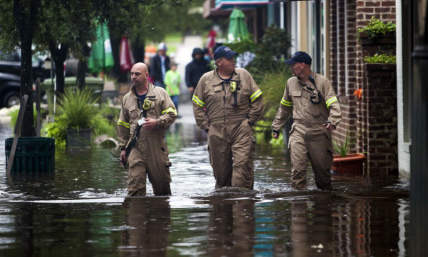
(376, 28)
(270, 52)
(272, 85)
(77, 109)
(381, 58)
(14, 116)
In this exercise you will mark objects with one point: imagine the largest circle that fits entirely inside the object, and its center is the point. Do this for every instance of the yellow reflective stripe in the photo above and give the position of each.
(330, 101)
(255, 95)
(122, 123)
(198, 101)
(169, 109)
(286, 103)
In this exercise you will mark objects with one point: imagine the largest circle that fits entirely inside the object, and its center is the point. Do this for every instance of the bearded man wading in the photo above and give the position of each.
(316, 112)
(147, 111)
(227, 103)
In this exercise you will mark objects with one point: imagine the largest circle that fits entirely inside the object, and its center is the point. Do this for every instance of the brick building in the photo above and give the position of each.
(371, 121)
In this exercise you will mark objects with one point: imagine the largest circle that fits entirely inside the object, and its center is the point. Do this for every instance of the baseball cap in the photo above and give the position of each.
(224, 51)
(299, 56)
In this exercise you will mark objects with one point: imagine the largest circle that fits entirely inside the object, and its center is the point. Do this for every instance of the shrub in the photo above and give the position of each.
(376, 28)
(380, 58)
(273, 85)
(270, 52)
(78, 110)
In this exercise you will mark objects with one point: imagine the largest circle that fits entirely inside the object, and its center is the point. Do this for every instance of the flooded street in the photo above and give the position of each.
(82, 210)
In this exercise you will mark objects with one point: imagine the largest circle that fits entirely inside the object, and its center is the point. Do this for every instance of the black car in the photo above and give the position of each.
(10, 80)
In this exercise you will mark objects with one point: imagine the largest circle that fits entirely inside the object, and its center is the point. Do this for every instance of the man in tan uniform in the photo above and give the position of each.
(310, 98)
(152, 107)
(226, 103)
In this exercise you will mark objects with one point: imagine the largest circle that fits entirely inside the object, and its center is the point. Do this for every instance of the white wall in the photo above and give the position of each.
(403, 147)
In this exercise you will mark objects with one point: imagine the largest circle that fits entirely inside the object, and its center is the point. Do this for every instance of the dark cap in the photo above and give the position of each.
(299, 56)
(224, 51)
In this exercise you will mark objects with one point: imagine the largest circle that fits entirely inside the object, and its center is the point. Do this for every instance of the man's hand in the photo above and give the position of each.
(123, 157)
(329, 126)
(191, 89)
(275, 134)
(150, 123)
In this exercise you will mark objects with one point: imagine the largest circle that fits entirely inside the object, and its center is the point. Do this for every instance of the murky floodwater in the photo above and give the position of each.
(81, 211)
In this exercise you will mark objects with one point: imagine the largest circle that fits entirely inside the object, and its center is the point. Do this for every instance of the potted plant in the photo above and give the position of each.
(377, 37)
(344, 162)
(77, 119)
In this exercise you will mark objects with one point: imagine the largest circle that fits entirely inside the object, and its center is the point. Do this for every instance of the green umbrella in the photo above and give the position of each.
(237, 27)
(101, 55)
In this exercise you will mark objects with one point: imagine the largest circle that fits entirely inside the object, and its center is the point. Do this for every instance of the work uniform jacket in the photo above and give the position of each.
(228, 117)
(150, 150)
(213, 102)
(306, 115)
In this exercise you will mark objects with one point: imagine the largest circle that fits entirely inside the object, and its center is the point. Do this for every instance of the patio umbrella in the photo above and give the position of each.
(101, 57)
(237, 27)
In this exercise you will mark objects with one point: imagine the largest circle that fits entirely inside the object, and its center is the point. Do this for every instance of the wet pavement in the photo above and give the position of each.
(82, 210)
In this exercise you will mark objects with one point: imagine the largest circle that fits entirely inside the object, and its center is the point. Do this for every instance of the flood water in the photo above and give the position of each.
(82, 210)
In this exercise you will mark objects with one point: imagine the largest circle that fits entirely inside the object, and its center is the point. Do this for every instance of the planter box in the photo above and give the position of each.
(348, 165)
(381, 44)
(78, 139)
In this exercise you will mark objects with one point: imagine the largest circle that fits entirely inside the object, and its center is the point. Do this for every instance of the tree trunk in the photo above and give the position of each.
(59, 54)
(82, 66)
(25, 21)
(138, 50)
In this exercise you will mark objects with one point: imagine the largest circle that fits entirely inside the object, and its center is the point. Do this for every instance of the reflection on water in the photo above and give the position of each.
(82, 211)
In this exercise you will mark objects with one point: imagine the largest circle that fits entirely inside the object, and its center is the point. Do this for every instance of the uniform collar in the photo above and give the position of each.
(216, 79)
(149, 90)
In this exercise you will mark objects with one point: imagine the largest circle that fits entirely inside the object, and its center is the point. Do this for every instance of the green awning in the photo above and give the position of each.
(224, 4)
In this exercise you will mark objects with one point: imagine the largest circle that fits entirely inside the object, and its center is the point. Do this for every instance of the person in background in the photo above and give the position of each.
(159, 65)
(172, 83)
(311, 99)
(195, 69)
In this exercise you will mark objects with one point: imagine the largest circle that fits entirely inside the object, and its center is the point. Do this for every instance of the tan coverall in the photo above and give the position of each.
(150, 154)
(228, 120)
(309, 139)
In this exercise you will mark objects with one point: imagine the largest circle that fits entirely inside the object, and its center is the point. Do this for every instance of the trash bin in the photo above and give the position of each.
(34, 155)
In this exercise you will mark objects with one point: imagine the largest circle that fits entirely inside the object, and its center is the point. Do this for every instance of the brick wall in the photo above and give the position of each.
(347, 72)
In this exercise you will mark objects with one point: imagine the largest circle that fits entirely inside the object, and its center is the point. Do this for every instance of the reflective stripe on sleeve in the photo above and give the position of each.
(256, 95)
(123, 124)
(198, 101)
(286, 103)
(169, 110)
(330, 101)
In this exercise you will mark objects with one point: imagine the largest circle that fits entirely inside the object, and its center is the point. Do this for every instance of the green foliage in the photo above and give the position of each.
(381, 58)
(269, 52)
(14, 116)
(376, 28)
(243, 46)
(273, 85)
(78, 110)
(343, 149)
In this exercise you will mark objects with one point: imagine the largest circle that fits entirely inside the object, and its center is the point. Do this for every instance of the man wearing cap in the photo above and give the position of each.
(227, 103)
(159, 65)
(310, 98)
